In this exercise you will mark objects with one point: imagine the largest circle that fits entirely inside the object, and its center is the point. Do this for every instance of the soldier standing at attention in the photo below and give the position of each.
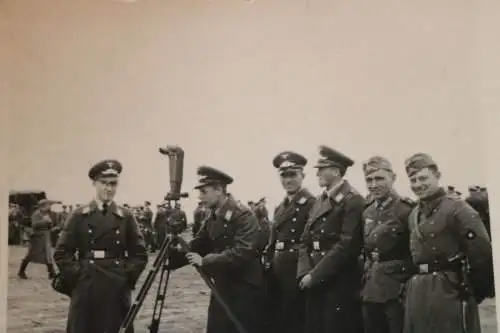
(290, 217)
(388, 262)
(441, 229)
(110, 256)
(40, 247)
(328, 267)
(225, 249)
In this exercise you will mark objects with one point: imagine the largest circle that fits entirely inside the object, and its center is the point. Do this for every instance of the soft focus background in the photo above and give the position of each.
(234, 83)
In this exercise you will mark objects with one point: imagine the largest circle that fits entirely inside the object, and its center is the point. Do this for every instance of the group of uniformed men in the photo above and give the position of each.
(328, 263)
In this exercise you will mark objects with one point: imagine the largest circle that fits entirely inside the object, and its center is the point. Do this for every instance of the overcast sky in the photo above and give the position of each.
(234, 83)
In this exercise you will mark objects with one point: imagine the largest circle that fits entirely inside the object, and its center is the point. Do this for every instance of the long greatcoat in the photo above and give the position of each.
(40, 247)
(329, 252)
(110, 256)
(440, 229)
(227, 241)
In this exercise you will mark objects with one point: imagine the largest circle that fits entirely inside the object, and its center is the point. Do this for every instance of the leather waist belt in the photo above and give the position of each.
(320, 245)
(103, 254)
(438, 267)
(379, 257)
(289, 245)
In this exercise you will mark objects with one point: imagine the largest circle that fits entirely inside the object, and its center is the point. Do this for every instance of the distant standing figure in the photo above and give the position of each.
(40, 248)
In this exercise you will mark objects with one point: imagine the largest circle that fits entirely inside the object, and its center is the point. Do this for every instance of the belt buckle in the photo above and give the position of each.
(375, 256)
(280, 245)
(99, 254)
(316, 245)
(423, 268)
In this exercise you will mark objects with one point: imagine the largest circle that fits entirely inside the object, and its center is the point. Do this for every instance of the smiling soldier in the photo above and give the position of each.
(386, 249)
(442, 297)
(328, 267)
(110, 256)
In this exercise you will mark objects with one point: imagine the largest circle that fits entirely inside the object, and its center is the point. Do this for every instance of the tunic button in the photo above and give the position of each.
(297, 209)
(294, 219)
(324, 219)
(90, 231)
(117, 262)
(292, 230)
(291, 250)
(434, 248)
(393, 229)
(117, 242)
(225, 225)
(293, 240)
(323, 253)
(337, 308)
(91, 261)
(322, 231)
(432, 235)
(117, 232)
(434, 273)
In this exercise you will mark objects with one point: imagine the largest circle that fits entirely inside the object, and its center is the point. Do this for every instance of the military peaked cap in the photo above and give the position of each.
(45, 202)
(147, 203)
(289, 161)
(211, 176)
(418, 162)
(106, 168)
(332, 158)
(451, 188)
(376, 163)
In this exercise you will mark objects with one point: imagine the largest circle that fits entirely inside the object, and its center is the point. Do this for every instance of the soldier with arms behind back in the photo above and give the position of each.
(225, 248)
(100, 255)
(440, 298)
(386, 249)
(289, 220)
(328, 268)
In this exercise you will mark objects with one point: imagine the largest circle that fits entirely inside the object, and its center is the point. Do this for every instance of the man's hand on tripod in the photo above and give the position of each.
(194, 259)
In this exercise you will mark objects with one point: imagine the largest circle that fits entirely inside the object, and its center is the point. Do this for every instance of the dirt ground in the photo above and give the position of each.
(33, 307)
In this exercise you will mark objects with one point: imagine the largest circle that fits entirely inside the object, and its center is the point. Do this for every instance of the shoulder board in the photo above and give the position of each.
(85, 209)
(408, 201)
(120, 211)
(302, 200)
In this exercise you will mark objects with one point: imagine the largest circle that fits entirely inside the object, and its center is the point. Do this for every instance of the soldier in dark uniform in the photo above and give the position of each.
(177, 219)
(160, 224)
(388, 262)
(478, 199)
(441, 229)
(198, 216)
(328, 266)
(290, 218)
(100, 254)
(225, 249)
(40, 249)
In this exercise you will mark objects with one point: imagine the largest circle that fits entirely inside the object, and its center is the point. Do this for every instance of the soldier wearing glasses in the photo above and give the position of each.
(100, 255)
(386, 249)
(289, 220)
(443, 296)
(328, 268)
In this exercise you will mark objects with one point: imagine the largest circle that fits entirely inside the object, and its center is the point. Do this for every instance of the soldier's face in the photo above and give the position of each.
(292, 181)
(326, 176)
(106, 188)
(210, 196)
(379, 183)
(425, 182)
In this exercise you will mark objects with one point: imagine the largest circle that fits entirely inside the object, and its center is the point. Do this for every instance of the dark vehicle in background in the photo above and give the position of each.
(26, 204)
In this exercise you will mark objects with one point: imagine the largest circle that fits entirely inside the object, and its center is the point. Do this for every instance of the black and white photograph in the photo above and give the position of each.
(247, 166)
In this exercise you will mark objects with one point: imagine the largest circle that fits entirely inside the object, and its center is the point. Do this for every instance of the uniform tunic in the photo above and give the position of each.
(387, 263)
(440, 229)
(329, 251)
(227, 241)
(40, 248)
(289, 221)
(110, 256)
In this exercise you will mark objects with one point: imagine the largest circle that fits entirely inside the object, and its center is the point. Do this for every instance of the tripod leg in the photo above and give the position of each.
(143, 292)
(160, 297)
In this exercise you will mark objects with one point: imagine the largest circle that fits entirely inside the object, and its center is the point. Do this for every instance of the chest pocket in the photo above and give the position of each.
(221, 232)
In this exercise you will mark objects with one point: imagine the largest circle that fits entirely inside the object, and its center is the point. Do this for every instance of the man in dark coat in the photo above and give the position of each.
(225, 249)
(290, 217)
(388, 262)
(328, 267)
(478, 199)
(177, 219)
(101, 254)
(160, 223)
(442, 229)
(40, 247)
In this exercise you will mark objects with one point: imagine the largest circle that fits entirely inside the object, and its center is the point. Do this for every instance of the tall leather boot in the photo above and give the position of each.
(22, 269)
(50, 270)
